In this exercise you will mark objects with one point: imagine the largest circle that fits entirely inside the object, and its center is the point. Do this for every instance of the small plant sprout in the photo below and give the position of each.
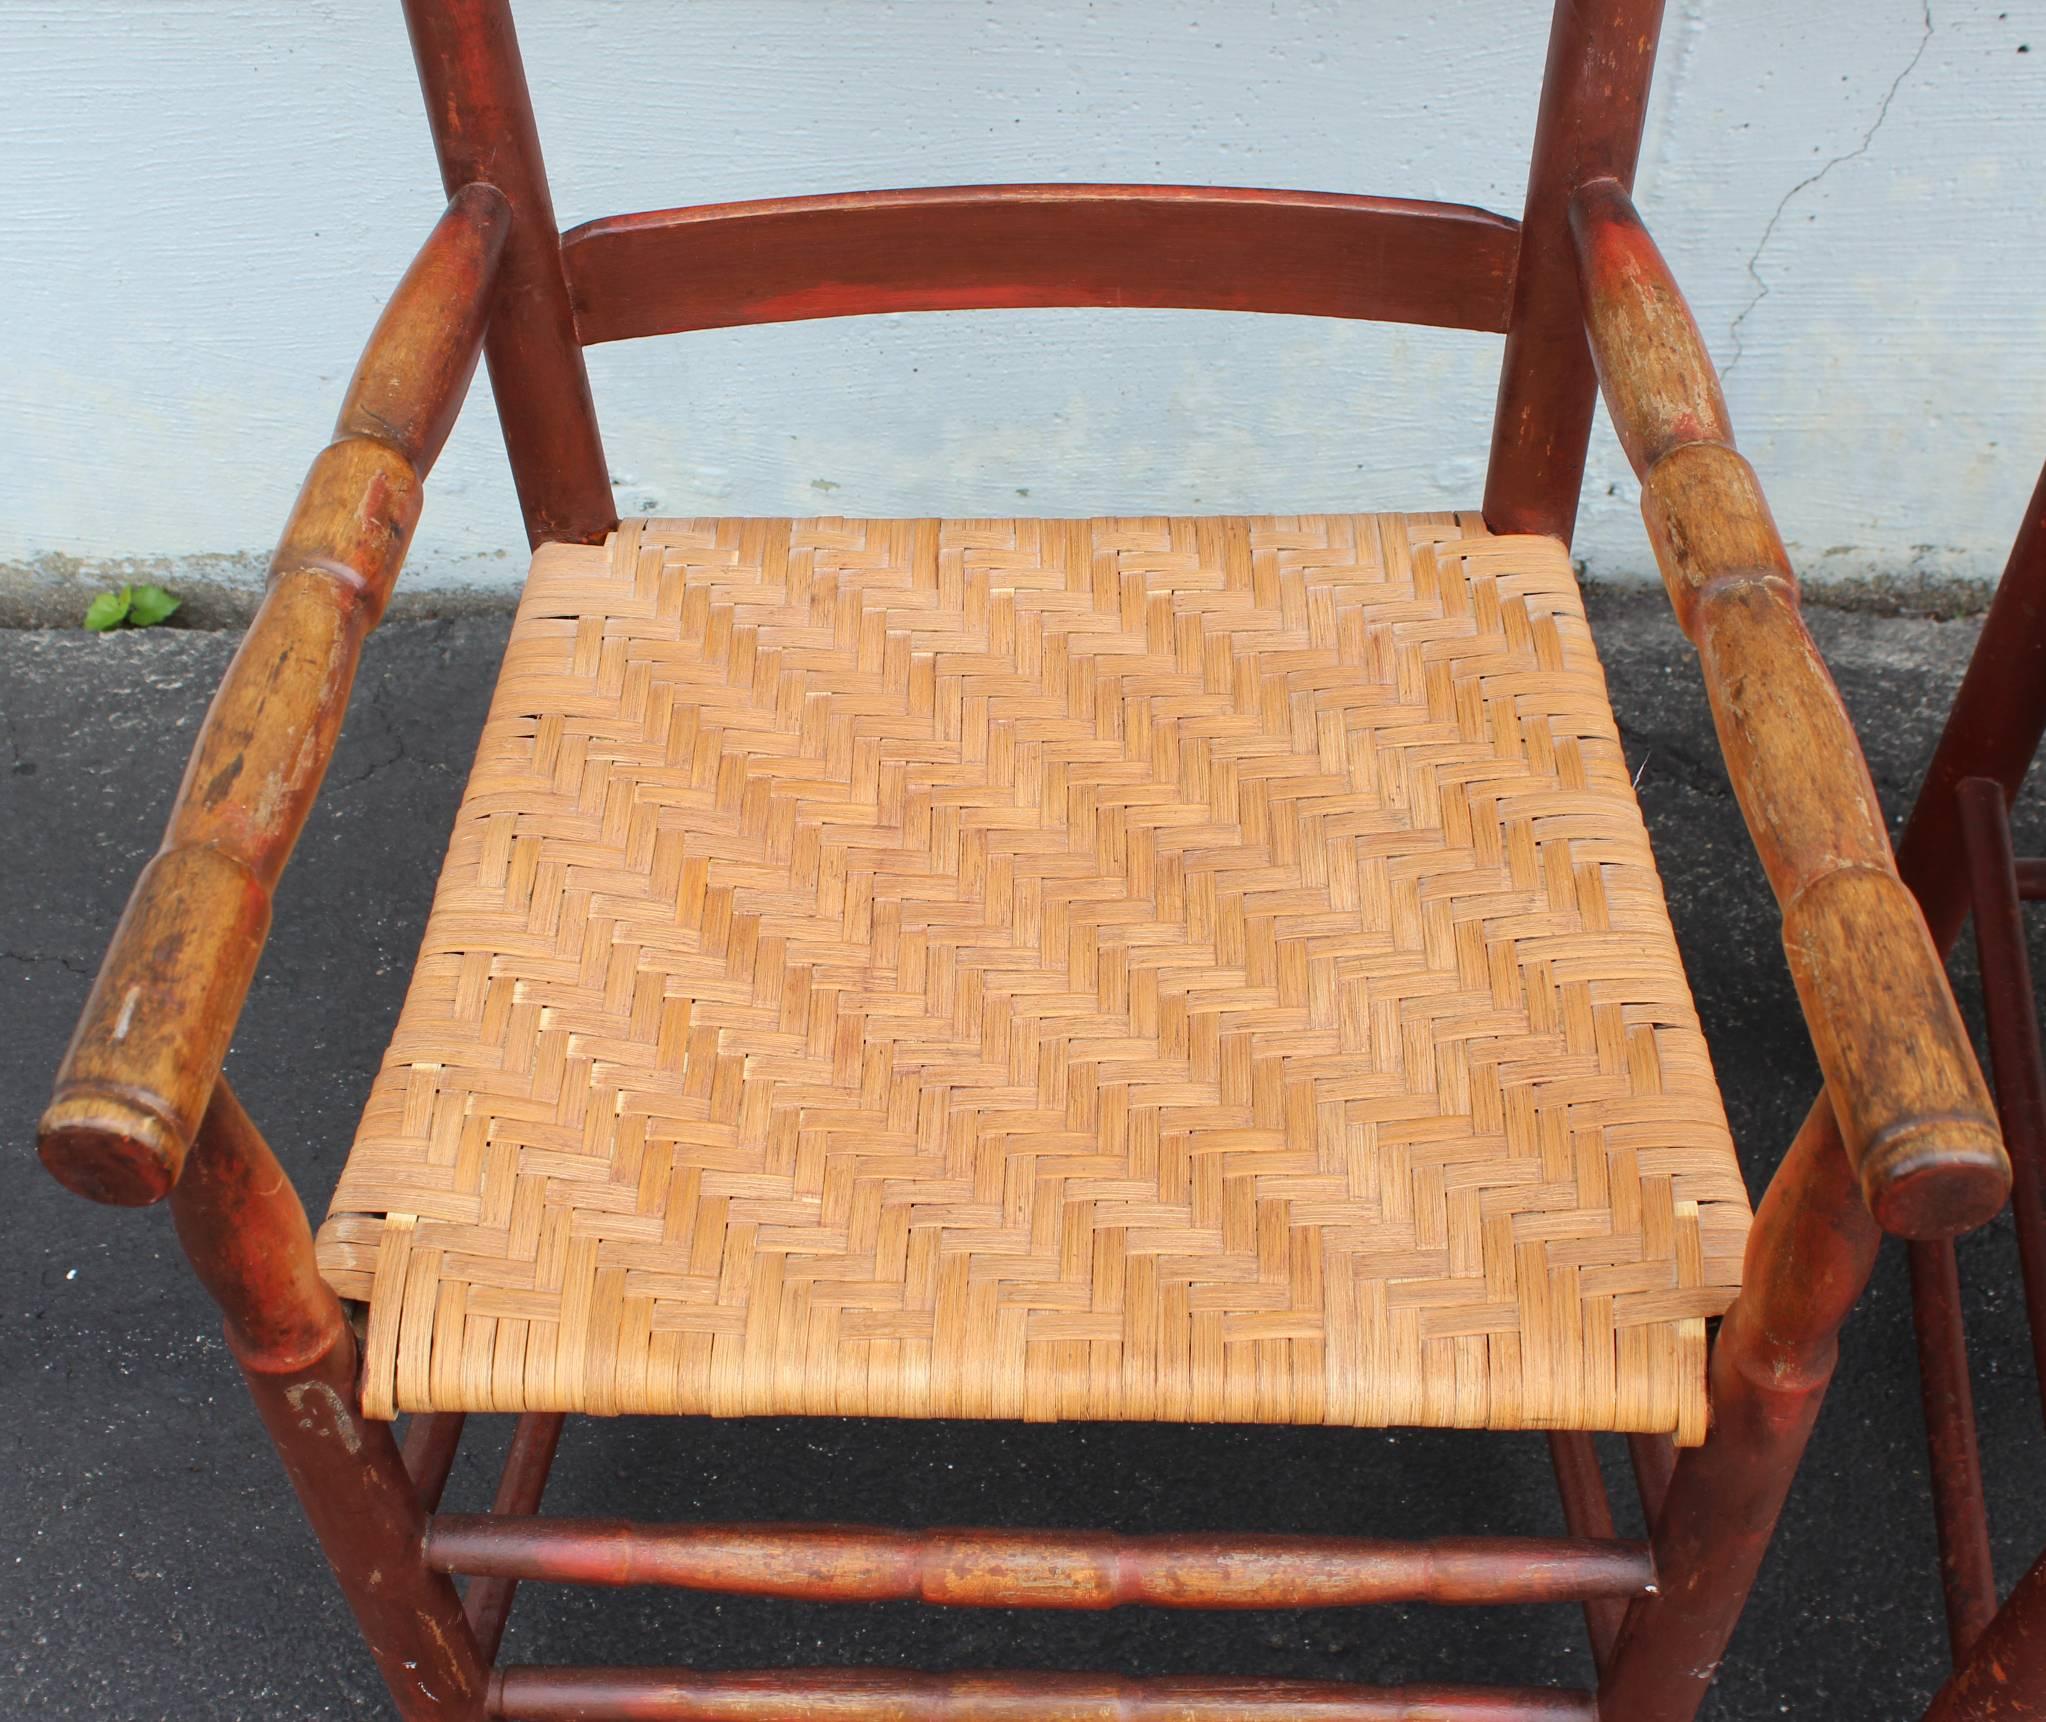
(131, 607)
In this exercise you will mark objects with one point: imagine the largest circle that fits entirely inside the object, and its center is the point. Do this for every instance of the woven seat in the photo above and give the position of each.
(1193, 969)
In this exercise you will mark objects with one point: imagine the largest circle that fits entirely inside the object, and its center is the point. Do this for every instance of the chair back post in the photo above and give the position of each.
(1594, 101)
(482, 119)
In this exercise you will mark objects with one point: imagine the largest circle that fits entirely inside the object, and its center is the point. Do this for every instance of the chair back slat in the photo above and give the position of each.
(954, 248)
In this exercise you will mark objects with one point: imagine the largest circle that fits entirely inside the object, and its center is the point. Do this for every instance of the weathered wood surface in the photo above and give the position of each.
(1039, 1569)
(240, 1222)
(1914, 1112)
(135, 1081)
(885, 1695)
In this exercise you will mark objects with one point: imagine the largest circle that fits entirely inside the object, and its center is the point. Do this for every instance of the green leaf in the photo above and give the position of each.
(149, 605)
(108, 610)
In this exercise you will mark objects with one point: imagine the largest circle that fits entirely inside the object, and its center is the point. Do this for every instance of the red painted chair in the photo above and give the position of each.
(1957, 854)
(1148, 968)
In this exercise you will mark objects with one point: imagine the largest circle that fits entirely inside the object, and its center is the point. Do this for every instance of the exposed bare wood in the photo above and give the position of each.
(240, 1222)
(142, 1076)
(884, 1695)
(135, 1081)
(1913, 1110)
(1038, 1569)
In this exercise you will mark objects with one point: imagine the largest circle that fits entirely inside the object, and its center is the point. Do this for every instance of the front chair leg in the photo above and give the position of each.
(1809, 1256)
(241, 1223)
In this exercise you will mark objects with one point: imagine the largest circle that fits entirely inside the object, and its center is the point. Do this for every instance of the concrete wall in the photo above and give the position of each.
(204, 201)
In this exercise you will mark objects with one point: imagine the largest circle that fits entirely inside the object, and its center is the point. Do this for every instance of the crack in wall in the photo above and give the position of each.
(1776, 216)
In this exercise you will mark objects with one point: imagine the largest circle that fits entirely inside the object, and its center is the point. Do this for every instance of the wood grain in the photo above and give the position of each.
(1913, 1109)
(1039, 1569)
(135, 1081)
(888, 1695)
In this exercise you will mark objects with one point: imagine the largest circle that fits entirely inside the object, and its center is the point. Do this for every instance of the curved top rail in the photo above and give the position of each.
(956, 248)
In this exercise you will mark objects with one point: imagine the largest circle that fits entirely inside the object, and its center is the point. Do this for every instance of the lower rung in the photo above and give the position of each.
(1038, 1569)
(864, 1695)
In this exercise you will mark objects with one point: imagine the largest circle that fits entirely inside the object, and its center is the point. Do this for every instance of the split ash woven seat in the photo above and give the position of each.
(1198, 969)
(1192, 969)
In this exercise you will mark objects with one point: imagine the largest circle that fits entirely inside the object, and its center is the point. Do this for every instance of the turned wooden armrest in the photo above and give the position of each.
(135, 1081)
(1914, 1113)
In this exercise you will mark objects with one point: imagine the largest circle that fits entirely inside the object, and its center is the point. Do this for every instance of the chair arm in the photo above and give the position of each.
(148, 1048)
(1914, 1113)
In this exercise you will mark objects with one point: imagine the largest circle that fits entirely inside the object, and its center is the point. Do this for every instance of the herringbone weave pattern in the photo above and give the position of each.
(1153, 968)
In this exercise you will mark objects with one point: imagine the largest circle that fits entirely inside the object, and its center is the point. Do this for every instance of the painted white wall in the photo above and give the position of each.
(204, 201)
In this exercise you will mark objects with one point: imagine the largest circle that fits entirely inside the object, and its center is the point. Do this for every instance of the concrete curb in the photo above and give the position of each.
(223, 591)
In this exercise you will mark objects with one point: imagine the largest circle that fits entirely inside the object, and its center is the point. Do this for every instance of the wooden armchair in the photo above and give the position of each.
(1154, 968)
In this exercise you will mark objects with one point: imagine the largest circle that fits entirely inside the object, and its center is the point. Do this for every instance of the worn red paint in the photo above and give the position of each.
(1913, 1109)
(870, 1695)
(1653, 1457)
(1594, 100)
(1040, 1569)
(1588, 1512)
(1809, 1256)
(519, 1488)
(1813, 1241)
(482, 119)
(1967, 1572)
(1993, 728)
(135, 1079)
(242, 1225)
(1956, 855)
(2004, 1678)
(431, 1442)
(2011, 1007)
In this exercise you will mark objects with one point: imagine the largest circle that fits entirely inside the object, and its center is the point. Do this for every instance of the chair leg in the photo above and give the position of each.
(240, 1222)
(2004, 1678)
(366, 1513)
(1967, 1572)
(1809, 1257)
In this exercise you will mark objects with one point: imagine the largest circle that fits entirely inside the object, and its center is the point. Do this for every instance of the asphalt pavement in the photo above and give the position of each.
(154, 1565)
